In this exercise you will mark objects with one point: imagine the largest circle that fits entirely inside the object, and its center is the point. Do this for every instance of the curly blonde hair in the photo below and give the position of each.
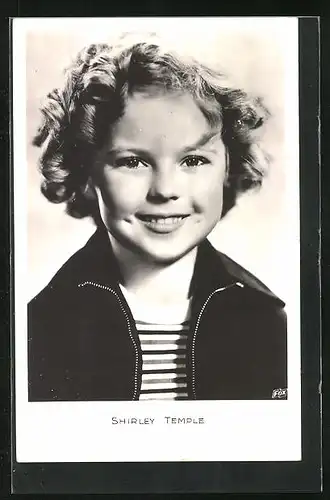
(77, 117)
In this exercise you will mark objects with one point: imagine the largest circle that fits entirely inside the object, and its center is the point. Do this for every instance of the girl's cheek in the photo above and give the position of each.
(124, 196)
(208, 197)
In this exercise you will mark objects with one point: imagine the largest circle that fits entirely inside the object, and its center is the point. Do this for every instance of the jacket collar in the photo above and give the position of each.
(213, 269)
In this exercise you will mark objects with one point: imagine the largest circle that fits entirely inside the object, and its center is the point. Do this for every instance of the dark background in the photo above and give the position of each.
(293, 476)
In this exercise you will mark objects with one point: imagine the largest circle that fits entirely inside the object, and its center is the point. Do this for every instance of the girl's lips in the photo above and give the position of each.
(162, 224)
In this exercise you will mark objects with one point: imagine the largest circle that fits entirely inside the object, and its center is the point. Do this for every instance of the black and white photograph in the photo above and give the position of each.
(157, 244)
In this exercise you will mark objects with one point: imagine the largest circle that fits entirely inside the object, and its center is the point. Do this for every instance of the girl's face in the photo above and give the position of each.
(159, 180)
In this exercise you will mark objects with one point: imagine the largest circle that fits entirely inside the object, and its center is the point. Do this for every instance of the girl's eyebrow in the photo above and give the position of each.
(202, 141)
(129, 149)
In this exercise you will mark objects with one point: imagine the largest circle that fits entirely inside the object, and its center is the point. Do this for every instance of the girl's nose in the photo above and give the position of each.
(165, 184)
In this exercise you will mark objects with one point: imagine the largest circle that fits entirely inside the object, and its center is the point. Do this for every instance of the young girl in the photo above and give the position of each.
(156, 148)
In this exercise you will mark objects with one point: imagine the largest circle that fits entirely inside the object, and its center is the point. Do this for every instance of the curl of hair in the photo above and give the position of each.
(77, 117)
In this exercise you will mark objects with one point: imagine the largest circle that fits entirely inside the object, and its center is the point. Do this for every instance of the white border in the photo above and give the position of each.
(82, 431)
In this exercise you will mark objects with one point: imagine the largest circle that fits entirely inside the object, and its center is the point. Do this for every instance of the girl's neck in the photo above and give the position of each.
(154, 282)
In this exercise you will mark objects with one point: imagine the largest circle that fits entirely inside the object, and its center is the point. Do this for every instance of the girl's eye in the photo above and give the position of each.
(194, 161)
(131, 162)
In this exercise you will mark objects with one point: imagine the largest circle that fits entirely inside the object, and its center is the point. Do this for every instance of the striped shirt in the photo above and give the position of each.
(163, 333)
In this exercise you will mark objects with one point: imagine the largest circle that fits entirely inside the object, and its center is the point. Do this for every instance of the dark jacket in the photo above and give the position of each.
(83, 344)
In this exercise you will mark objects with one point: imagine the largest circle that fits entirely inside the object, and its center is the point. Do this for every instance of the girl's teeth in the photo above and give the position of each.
(165, 220)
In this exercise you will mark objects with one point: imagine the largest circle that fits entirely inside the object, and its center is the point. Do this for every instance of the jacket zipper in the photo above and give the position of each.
(193, 366)
(129, 326)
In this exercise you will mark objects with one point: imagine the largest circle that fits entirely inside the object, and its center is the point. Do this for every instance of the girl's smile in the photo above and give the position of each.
(162, 223)
(159, 180)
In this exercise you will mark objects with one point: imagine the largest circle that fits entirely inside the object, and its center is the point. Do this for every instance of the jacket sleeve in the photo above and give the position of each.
(41, 326)
(274, 356)
(49, 342)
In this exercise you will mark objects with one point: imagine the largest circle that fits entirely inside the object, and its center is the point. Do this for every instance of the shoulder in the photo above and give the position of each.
(63, 281)
(248, 279)
(227, 270)
(262, 312)
(67, 277)
(47, 308)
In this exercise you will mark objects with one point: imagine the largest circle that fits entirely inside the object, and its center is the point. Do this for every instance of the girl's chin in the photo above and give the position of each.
(156, 249)
(164, 257)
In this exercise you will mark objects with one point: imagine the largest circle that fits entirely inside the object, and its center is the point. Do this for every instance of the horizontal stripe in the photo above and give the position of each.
(163, 361)
(177, 390)
(161, 376)
(151, 385)
(167, 385)
(159, 328)
(183, 323)
(164, 395)
(163, 347)
(146, 337)
(160, 354)
(161, 358)
(163, 368)
(162, 344)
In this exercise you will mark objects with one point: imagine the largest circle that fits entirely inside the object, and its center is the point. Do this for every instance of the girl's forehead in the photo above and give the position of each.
(169, 119)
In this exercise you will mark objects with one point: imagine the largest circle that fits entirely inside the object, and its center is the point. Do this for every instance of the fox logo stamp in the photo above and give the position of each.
(279, 394)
